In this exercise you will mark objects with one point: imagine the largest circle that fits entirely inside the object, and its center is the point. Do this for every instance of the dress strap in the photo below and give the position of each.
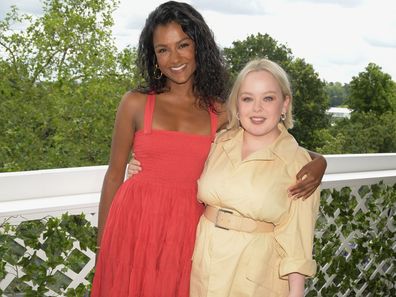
(213, 124)
(148, 113)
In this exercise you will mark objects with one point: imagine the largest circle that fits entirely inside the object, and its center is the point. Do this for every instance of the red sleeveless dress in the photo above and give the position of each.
(149, 235)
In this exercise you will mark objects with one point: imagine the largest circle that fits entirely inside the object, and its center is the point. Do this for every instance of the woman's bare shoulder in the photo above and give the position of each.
(134, 98)
(133, 101)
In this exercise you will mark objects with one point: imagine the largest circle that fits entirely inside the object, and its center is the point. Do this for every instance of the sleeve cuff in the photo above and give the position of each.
(302, 266)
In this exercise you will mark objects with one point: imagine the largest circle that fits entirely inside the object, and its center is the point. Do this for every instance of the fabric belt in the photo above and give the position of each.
(226, 219)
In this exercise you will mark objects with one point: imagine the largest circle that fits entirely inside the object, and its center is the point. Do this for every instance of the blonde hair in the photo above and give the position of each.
(260, 65)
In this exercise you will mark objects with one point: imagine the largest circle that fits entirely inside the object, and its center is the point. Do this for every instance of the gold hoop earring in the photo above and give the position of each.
(155, 74)
(283, 116)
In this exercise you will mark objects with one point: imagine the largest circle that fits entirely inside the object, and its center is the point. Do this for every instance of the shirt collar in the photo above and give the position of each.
(284, 147)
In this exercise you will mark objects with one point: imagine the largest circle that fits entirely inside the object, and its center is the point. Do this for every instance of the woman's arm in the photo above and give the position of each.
(296, 285)
(309, 177)
(124, 129)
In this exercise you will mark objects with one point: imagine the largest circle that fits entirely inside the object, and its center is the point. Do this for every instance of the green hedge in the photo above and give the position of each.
(364, 265)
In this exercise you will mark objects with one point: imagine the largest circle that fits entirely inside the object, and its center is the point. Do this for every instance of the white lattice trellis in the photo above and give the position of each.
(64, 276)
(347, 245)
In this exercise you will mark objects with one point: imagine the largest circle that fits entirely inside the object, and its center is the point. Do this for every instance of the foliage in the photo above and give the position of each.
(255, 47)
(55, 237)
(310, 101)
(70, 41)
(372, 91)
(372, 126)
(337, 92)
(369, 230)
(376, 134)
(62, 79)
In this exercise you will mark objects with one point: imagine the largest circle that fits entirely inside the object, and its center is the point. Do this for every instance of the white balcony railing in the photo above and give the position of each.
(36, 194)
(33, 193)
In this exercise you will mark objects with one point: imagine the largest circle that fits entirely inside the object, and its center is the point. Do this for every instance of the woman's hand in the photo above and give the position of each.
(133, 167)
(308, 178)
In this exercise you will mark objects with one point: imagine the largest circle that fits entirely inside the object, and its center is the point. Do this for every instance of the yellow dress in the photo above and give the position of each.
(228, 263)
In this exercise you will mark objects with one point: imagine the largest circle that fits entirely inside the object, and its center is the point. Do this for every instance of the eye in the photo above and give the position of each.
(268, 98)
(160, 50)
(246, 99)
(184, 44)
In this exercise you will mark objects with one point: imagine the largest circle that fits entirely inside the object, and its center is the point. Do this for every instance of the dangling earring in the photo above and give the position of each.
(155, 74)
(237, 116)
(283, 116)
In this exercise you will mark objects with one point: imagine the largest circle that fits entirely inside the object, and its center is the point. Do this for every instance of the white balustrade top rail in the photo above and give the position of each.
(77, 190)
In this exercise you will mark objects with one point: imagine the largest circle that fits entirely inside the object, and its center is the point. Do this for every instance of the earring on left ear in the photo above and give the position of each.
(283, 116)
(156, 70)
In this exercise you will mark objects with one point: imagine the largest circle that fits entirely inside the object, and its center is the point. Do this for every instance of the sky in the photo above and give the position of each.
(338, 37)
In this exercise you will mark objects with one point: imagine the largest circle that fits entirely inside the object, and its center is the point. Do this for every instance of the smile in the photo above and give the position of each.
(257, 120)
(178, 68)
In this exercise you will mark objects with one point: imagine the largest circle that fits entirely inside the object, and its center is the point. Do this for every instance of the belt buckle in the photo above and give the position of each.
(217, 217)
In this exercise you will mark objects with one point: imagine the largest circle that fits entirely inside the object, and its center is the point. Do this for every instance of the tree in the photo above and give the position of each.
(364, 133)
(253, 47)
(310, 101)
(372, 91)
(337, 93)
(62, 79)
(372, 126)
(72, 40)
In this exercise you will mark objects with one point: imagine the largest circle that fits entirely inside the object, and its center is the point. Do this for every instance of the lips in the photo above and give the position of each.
(257, 120)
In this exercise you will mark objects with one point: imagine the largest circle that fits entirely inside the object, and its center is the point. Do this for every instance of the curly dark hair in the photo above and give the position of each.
(210, 78)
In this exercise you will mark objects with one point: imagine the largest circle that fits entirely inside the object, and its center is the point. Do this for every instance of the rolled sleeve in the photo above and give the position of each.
(303, 266)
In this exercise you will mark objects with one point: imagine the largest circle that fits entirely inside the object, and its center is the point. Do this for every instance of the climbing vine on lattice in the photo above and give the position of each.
(355, 243)
(41, 255)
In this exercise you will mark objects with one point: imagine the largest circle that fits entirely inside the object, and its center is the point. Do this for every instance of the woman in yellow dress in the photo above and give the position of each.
(253, 240)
